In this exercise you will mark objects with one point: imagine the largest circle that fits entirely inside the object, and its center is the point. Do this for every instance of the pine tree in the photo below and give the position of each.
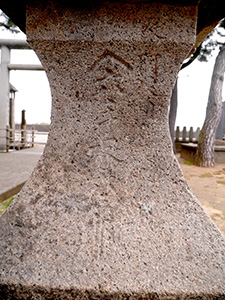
(7, 24)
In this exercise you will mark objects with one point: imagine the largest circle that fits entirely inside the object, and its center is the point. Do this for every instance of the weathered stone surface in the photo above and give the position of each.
(106, 213)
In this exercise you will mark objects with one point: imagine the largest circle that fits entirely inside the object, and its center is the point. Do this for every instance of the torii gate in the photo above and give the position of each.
(6, 66)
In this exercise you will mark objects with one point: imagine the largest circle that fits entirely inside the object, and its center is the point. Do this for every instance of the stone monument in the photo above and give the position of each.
(107, 213)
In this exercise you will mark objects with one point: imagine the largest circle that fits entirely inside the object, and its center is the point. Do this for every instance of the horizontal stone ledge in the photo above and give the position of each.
(217, 148)
(188, 152)
(11, 192)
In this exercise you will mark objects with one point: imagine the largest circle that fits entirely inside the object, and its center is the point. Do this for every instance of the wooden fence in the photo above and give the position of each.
(187, 136)
(26, 138)
(19, 138)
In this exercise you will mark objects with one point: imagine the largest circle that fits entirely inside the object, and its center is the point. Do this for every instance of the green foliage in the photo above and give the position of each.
(8, 202)
(221, 181)
(206, 175)
(187, 162)
(6, 23)
(5, 204)
(215, 40)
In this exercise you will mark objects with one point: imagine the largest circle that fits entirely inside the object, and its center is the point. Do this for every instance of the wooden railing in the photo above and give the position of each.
(19, 138)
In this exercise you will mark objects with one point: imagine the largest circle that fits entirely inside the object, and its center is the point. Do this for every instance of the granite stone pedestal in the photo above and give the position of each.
(107, 213)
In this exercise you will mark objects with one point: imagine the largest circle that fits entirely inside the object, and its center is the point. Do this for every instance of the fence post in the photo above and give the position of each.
(177, 134)
(7, 138)
(191, 135)
(14, 139)
(23, 130)
(32, 137)
(184, 134)
(197, 134)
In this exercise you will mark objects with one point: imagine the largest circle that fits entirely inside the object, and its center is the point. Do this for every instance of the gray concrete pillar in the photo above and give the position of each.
(4, 95)
(107, 213)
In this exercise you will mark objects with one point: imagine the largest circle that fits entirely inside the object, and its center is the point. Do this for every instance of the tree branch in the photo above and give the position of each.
(192, 58)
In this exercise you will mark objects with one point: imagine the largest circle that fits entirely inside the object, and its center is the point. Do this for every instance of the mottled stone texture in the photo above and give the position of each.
(106, 213)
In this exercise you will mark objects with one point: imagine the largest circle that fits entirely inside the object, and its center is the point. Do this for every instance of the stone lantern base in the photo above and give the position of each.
(107, 213)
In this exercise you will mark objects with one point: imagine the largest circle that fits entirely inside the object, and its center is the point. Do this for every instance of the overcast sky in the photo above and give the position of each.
(193, 90)
(34, 93)
(33, 89)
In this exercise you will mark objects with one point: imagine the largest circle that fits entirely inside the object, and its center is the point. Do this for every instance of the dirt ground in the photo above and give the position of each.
(208, 185)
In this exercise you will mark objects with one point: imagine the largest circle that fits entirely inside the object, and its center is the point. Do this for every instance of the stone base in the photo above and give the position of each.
(35, 292)
(107, 213)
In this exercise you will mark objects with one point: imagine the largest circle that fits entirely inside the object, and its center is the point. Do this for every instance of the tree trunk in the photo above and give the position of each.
(173, 114)
(205, 150)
